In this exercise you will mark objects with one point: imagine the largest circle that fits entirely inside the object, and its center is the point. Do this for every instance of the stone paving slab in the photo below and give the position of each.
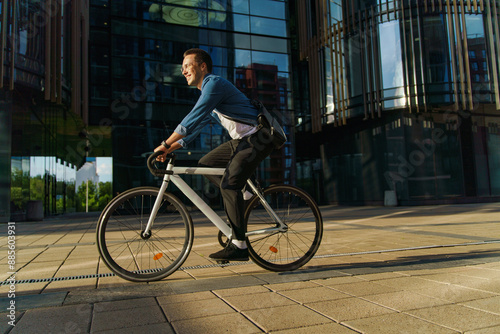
(64, 319)
(195, 309)
(396, 323)
(138, 315)
(35, 301)
(344, 309)
(290, 316)
(222, 323)
(457, 317)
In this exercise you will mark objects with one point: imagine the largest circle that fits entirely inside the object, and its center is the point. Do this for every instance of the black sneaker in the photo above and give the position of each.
(231, 253)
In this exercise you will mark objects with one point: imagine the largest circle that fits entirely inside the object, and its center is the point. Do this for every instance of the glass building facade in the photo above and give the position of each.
(404, 98)
(136, 86)
(376, 96)
(43, 111)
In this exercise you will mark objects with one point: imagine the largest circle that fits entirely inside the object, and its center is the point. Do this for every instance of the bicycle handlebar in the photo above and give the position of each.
(151, 164)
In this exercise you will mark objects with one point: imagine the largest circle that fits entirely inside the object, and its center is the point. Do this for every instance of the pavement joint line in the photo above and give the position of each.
(54, 245)
(356, 221)
(68, 278)
(408, 248)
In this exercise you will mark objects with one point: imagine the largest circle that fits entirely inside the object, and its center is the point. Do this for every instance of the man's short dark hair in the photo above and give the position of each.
(201, 57)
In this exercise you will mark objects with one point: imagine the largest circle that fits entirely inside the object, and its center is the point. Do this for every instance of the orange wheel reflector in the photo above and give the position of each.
(158, 256)
(273, 249)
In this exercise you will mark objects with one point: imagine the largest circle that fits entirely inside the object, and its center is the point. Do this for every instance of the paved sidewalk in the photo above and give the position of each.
(431, 269)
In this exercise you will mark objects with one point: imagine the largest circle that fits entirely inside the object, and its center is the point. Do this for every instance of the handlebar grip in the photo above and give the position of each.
(151, 164)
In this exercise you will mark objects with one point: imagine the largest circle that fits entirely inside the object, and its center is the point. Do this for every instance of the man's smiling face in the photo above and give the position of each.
(193, 71)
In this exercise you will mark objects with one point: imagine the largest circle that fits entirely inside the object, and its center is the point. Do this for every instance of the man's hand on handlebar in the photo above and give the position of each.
(169, 148)
(164, 148)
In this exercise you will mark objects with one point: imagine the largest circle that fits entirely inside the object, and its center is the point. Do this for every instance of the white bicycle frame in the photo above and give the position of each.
(202, 205)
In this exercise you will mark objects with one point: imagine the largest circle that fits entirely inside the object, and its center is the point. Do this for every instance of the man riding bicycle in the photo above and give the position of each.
(250, 144)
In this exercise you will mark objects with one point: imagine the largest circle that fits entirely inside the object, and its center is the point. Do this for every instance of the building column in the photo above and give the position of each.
(5, 153)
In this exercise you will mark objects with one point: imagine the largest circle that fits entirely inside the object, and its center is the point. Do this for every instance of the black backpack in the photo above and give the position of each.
(266, 120)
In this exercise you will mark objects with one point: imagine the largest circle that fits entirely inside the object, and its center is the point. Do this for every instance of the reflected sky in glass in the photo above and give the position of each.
(474, 25)
(390, 54)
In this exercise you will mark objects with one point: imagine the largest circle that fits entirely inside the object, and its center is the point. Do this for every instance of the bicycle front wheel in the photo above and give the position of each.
(131, 254)
(289, 250)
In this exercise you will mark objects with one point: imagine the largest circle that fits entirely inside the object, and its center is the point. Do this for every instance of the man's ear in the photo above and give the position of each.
(204, 67)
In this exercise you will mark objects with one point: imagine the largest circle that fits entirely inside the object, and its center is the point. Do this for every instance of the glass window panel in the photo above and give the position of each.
(354, 66)
(188, 3)
(392, 63)
(98, 17)
(335, 11)
(435, 43)
(241, 23)
(241, 41)
(219, 55)
(217, 20)
(390, 46)
(269, 8)
(266, 58)
(238, 6)
(260, 25)
(478, 63)
(242, 58)
(269, 44)
(219, 38)
(184, 16)
(284, 79)
(99, 56)
(99, 37)
(217, 4)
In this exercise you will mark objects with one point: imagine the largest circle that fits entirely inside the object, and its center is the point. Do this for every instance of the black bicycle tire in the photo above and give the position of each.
(143, 276)
(309, 254)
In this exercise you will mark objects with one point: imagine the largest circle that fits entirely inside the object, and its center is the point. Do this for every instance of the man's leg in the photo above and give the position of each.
(218, 158)
(246, 158)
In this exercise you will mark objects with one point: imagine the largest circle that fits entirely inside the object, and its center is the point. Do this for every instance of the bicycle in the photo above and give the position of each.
(145, 234)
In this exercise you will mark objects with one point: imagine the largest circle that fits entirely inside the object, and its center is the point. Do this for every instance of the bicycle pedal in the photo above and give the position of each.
(222, 261)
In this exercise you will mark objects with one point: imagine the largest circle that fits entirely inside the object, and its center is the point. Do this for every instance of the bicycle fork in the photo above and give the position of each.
(159, 199)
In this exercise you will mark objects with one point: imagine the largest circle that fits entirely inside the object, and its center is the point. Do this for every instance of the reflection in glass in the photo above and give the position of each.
(267, 58)
(478, 61)
(242, 58)
(236, 6)
(354, 65)
(435, 44)
(260, 25)
(271, 44)
(189, 13)
(179, 15)
(392, 64)
(269, 8)
(241, 23)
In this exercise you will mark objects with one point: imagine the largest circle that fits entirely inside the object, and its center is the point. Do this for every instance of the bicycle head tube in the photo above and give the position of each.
(152, 167)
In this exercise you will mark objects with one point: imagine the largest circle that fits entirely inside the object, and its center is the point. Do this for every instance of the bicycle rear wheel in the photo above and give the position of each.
(289, 250)
(132, 255)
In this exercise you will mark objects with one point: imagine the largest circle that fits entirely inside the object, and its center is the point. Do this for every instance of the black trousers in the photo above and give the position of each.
(240, 157)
